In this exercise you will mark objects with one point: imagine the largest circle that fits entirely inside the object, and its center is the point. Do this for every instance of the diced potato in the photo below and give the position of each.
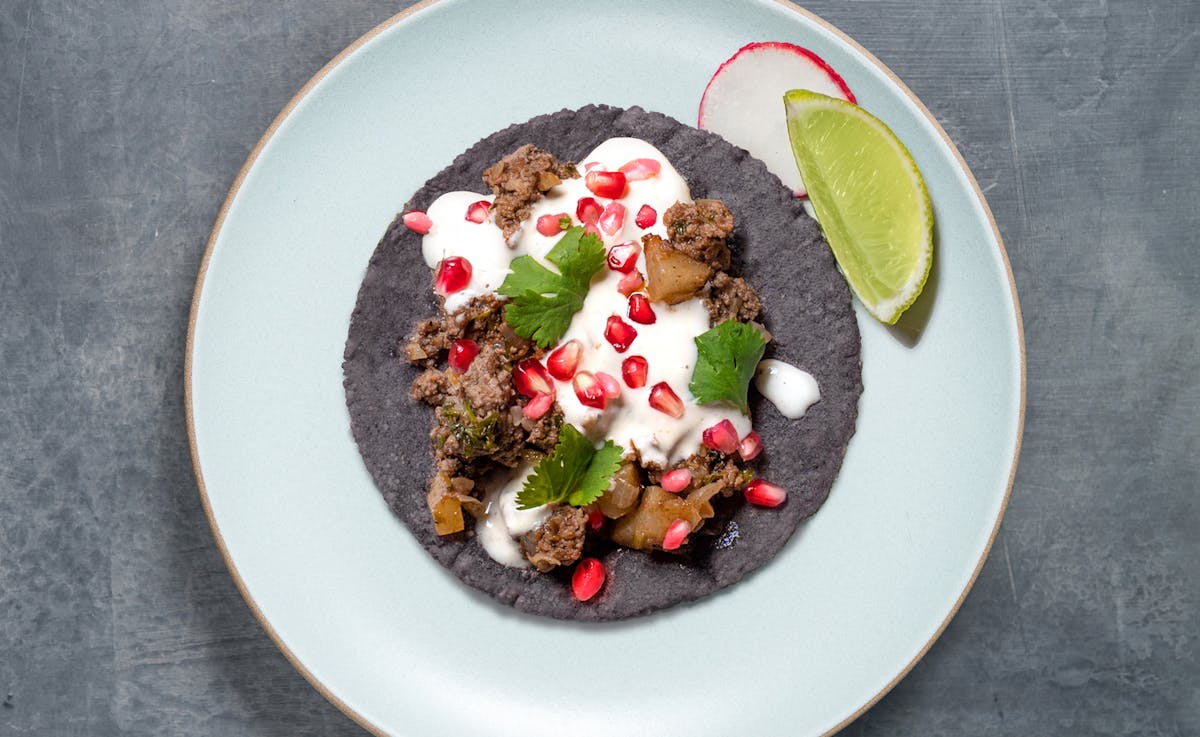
(671, 276)
(622, 494)
(444, 506)
(645, 528)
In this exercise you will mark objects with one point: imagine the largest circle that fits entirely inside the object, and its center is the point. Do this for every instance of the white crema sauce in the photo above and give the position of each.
(790, 389)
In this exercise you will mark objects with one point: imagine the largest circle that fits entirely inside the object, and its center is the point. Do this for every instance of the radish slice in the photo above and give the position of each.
(743, 101)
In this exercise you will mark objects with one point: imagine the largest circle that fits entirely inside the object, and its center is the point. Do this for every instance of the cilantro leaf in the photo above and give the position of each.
(576, 472)
(728, 355)
(544, 302)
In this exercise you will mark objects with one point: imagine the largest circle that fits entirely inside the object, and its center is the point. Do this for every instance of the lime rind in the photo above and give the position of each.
(870, 199)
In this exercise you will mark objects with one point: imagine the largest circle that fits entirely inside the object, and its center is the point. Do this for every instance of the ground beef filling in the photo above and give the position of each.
(480, 429)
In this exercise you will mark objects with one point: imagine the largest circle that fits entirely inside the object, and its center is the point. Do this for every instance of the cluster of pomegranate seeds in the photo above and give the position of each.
(640, 309)
(587, 578)
(664, 399)
(477, 212)
(562, 361)
(462, 353)
(721, 436)
(750, 446)
(676, 533)
(589, 390)
(588, 210)
(607, 184)
(417, 222)
(633, 371)
(535, 408)
(620, 333)
(764, 494)
(623, 257)
(531, 379)
(677, 480)
(640, 169)
(549, 225)
(453, 275)
(646, 216)
(612, 218)
(630, 283)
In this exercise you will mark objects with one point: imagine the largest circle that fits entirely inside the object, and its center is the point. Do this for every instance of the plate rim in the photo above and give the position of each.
(303, 93)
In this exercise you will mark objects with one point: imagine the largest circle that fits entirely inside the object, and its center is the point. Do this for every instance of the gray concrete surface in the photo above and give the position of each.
(122, 125)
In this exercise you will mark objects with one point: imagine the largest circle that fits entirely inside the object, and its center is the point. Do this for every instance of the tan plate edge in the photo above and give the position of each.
(1012, 287)
(253, 157)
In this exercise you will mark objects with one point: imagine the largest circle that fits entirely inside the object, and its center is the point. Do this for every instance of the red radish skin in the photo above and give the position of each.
(530, 378)
(646, 217)
(743, 101)
(453, 275)
(634, 370)
(462, 353)
(477, 212)
(418, 222)
(588, 579)
(562, 361)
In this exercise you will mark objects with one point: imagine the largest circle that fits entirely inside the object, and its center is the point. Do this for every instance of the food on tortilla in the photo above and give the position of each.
(591, 419)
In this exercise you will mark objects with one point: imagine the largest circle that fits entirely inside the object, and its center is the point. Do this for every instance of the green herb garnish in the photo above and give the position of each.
(576, 472)
(476, 436)
(543, 302)
(728, 355)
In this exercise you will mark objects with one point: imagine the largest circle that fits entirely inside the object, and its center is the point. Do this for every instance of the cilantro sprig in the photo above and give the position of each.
(728, 355)
(576, 472)
(544, 302)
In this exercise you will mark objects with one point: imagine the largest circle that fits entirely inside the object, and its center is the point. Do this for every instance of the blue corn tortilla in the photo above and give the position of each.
(807, 308)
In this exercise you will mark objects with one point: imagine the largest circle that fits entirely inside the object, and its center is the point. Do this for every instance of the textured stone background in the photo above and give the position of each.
(122, 125)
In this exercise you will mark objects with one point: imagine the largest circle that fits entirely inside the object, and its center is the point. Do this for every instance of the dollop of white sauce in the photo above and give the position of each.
(790, 389)
(482, 244)
(503, 522)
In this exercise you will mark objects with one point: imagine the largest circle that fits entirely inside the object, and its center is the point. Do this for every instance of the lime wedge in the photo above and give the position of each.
(870, 199)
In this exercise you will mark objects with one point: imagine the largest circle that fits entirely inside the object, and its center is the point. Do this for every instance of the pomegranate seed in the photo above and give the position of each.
(607, 184)
(677, 480)
(721, 436)
(477, 212)
(531, 379)
(611, 387)
(750, 446)
(664, 399)
(589, 228)
(623, 257)
(640, 309)
(590, 165)
(612, 219)
(417, 222)
(633, 370)
(549, 225)
(589, 390)
(640, 169)
(562, 362)
(764, 494)
(462, 352)
(587, 579)
(646, 216)
(535, 408)
(453, 275)
(588, 210)
(596, 519)
(630, 283)
(619, 333)
(677, 532)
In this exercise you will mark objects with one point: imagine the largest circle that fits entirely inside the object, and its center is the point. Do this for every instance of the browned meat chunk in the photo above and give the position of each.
(482, 315)
(731, 298)
(699, 230)
(558, 541)
(519, 180)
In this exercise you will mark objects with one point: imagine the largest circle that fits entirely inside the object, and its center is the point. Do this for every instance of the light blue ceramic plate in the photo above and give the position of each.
(799, 648)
